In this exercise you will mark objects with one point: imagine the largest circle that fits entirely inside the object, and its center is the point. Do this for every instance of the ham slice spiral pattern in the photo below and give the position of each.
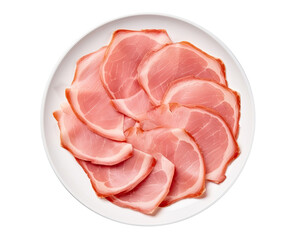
(150, 120)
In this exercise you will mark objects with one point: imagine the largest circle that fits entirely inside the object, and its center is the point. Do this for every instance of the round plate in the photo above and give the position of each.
(71, 174)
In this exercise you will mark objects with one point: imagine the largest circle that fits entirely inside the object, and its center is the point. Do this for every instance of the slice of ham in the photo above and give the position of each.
(119, 68)
(190, 92)
(87, 145)
(89, 100)
(180, 148)
(148, 195)
(111, 180)
(159, 68)
(209, 130)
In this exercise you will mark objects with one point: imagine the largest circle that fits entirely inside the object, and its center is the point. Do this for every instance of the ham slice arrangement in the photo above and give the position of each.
(119, 69)
(150, 193)
(180, 148)
(150, 120)
(208, 129)
(90, 101)
(191, 92)
(159, 68)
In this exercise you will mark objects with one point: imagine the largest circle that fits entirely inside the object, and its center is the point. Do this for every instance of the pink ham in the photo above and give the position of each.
(178, 147)
(89, 100)
(209, 130)
(134, 106)
(119, 68)
(128, 123)
(86, 145)
(190, 92)
(110, 180)
(148, 195)
(159, 68)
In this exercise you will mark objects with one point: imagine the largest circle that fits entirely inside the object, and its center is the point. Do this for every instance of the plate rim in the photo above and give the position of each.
(145, 14)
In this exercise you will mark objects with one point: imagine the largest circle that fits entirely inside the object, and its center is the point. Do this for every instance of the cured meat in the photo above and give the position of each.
(159, 68)
(110, 180)
(209, 130)
(180, 148)
(89, 100)
(191, 92)
(128, 123)
(149, 120)
(147, 196)
(134, 106)
(86, 145)
(123, 55)
(119, 68)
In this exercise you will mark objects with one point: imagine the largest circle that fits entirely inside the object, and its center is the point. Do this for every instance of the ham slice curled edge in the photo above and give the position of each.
(159, 68)
(111, 180)
(89, 100)
(87, 145)
(191, 92)
(148, 195)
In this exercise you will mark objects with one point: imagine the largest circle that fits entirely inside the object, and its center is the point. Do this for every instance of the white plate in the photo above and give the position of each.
(71, 174)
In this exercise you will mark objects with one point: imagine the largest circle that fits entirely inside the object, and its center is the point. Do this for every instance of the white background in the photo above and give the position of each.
(34, 37)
